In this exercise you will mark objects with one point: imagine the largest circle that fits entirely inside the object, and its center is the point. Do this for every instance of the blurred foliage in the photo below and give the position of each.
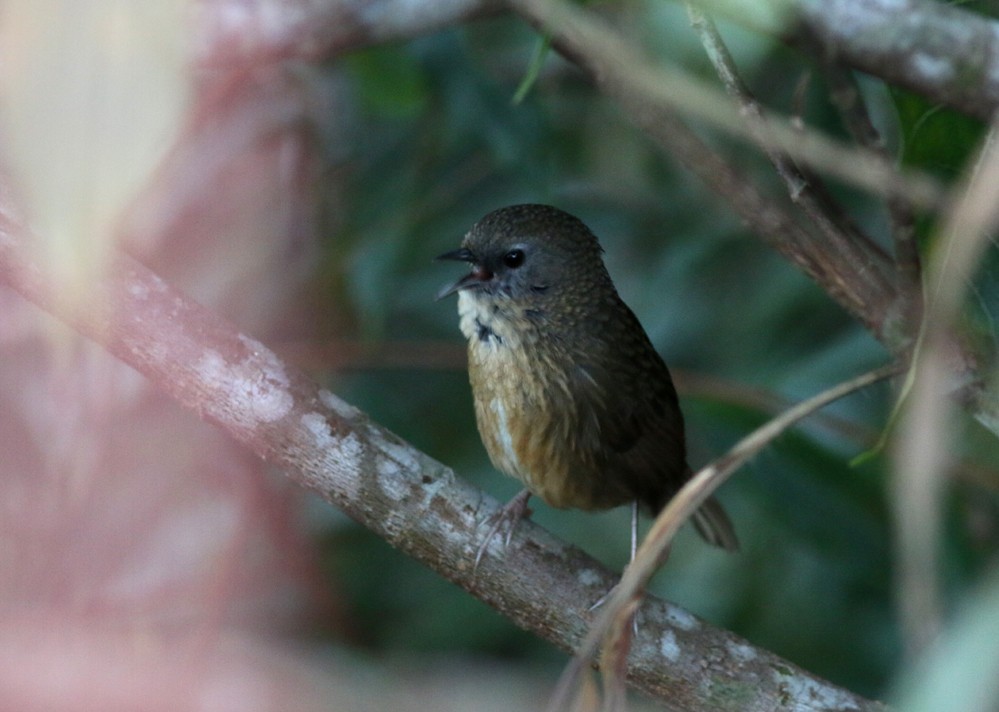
(428, 140)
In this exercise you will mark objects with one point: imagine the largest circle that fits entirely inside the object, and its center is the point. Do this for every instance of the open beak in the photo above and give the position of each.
(475, 278)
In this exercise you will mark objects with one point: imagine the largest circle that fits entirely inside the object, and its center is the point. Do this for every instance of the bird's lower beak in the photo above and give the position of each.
(472, 279)
(475, 278)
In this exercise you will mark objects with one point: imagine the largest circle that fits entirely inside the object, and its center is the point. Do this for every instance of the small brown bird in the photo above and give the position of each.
(571, 398)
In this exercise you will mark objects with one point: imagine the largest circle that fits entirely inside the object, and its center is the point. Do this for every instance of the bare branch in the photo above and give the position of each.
(615, 614)
(847, 98)
(937, 49)
(415, 503)
(923, 452)
(855, 274)
(941, 51)
(805, 190)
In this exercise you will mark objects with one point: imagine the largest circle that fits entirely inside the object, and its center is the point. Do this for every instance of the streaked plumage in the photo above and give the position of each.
(571, 398)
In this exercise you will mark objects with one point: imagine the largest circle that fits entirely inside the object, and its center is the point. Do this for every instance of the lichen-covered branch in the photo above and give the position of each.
(855, 273)
(806, 190)
(412, 501)
(941, 50)
(948, 54)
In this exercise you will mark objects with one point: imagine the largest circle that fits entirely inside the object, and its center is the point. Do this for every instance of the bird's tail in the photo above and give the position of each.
(714, 526)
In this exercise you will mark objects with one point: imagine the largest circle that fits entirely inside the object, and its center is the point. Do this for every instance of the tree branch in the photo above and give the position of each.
(922, 461)
(846, 96)
(948, 54)
(936, 49)
(857, 274)
(945, 53)
(412, 501)
(615, 615)
(807, 191)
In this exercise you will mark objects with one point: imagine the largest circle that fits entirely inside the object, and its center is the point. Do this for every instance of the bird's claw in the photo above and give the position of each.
(508, 516)
(606, 597)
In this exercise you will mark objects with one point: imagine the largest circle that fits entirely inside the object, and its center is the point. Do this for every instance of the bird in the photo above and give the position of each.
(571, 398)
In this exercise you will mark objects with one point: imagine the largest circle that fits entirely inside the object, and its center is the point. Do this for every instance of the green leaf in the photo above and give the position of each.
(389, 82)
(533, 69)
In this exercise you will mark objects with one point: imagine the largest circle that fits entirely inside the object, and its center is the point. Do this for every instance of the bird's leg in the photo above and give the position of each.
(634, 550)
(508, 516)
(634, 530)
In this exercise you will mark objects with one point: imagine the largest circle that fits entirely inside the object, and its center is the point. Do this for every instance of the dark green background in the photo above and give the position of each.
(425, 140)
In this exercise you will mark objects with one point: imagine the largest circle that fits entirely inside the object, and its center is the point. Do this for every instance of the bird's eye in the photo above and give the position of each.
(513, 259)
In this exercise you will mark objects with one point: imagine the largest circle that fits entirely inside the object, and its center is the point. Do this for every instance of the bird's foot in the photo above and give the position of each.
(508, 517)
(602, 600)
(606, 597)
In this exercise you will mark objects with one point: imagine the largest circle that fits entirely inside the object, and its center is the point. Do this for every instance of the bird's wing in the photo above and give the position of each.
(628, 409)
(628, 404)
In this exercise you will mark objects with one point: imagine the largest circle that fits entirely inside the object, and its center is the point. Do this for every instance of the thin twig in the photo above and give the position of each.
(617, 65)
(807, 191)
(922, 449)
(849, 101)
(615, 613)
(651, 96)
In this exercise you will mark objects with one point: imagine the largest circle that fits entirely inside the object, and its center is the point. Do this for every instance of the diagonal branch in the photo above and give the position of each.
(615, 615)
(940, 50)
(806, 190)
(845, 94)
(946, 53)
(856, 274)
(412, 501)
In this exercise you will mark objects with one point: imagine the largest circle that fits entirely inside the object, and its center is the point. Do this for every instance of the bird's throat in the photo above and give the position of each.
(481, 319)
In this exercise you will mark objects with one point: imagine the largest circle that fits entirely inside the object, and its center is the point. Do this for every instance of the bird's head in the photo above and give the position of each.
(528, 253)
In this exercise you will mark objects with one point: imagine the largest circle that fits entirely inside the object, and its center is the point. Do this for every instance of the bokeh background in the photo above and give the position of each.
(317, 233)
(436, 143)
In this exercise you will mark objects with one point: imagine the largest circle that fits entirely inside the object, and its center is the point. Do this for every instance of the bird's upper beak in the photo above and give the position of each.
(475, 278)
(462, 254)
